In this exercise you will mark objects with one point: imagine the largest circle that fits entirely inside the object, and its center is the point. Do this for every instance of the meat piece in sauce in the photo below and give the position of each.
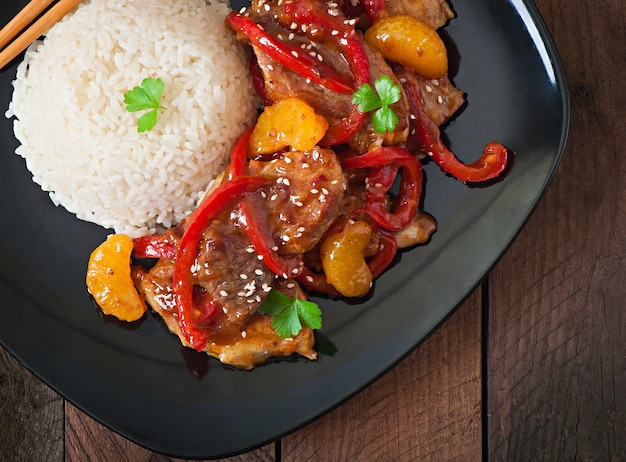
(306, 197)
(240, 344)
(435, 13)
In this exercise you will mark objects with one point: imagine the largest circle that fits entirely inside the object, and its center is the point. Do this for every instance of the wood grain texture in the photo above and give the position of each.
(557, 323)
(31, 415)
(426, 408)
(86, 439)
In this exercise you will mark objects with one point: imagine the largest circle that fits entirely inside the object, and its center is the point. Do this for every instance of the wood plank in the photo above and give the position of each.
(557, 325)
(87, 439)
(426, 408)
(31, 415)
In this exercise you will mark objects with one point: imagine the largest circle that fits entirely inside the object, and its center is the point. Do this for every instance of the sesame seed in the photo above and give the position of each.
(266, 7)
(301, 229)
(258, 272)
(294, 53)
(298, 204)
(270, 67)
(428, 88)
(244, 333)
(274, 197)
(314, 191)
(325, 191)
(291, 285)
(243, 276)
(412, 117)
(287, 160)
(259, 257)
(309, 278)
(280, 36)
(223, 293)
(250, 249)
(291, 36)
(304, 164)
(435, 82)
(285, 238)
(440, 99)
(295, 271)
(308, 81)
(293, 26)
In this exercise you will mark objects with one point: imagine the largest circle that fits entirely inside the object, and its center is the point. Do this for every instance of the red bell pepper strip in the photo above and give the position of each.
(239, 155)
(288, 56)
(373, 9)
(264, 245)
(491, 163)
(189, 318)
(154, 246)
(387, 249)
(410, 186)
(258, 81)
(340, 32)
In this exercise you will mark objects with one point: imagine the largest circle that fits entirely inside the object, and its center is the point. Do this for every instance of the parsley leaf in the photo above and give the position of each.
(386, 94)
(290, 314)
(146, 96)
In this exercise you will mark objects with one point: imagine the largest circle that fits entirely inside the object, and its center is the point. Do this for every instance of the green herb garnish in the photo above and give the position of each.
(290, 314)
(386, 94)
(147, 96)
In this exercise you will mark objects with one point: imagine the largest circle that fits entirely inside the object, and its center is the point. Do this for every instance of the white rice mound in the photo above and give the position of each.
(81, 144)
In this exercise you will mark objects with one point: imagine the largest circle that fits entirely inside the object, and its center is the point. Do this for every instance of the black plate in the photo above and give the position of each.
(136, 380)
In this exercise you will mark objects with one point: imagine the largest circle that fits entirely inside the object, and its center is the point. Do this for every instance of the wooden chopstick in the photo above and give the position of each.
(23, 18)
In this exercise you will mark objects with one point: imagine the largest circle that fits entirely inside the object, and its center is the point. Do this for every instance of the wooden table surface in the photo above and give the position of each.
(531, 367)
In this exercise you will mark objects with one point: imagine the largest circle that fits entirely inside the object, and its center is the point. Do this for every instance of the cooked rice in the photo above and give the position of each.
(82, 145)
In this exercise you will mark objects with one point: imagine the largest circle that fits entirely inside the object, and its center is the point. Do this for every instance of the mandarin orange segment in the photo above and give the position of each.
(109, 280)
(410, 42)
(342, 254)
(288, 123)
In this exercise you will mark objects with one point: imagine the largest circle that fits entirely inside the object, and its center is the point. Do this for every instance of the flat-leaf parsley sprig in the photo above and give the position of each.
(145, 97)
(386, 94)
(290, 314)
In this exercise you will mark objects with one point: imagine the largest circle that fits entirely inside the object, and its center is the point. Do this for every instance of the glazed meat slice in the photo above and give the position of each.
(440, 99)
(243, 345)
(432, 12)
(305, 199)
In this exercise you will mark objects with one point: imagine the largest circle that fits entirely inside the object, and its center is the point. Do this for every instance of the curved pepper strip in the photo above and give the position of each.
(387, 251)
(340, 32)
(410, 186)
(153, 246)
(258, 81)
(373, 9)
(183, 282)
(259, 235)
(290, 57)
(491, 163)
(239, 155)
